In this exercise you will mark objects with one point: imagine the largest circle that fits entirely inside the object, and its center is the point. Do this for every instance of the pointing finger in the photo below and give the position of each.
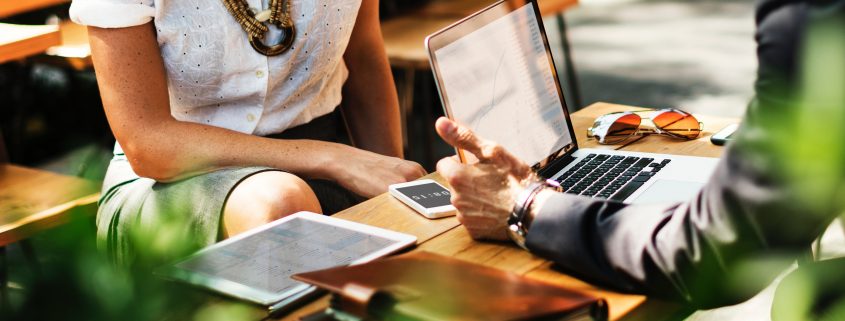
(460, 137)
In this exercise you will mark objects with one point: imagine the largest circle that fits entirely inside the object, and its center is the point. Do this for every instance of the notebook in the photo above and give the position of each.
(427, 286)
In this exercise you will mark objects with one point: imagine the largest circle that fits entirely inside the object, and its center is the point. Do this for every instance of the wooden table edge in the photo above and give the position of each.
(17, 230)
(10, 8)
(25, 47)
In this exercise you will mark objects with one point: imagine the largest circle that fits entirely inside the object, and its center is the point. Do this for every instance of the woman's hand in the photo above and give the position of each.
(369, 174)
(484, 193)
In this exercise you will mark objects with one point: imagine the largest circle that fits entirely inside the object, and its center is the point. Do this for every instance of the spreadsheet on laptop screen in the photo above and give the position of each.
(498, 81)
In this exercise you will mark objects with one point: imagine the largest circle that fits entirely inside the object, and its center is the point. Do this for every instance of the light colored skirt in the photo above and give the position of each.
(133, 209)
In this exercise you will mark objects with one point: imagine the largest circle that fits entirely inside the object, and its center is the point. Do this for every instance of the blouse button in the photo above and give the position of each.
(259, 74)
(250, 118)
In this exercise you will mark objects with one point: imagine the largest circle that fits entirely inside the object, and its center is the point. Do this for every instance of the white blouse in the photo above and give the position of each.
(215, 77)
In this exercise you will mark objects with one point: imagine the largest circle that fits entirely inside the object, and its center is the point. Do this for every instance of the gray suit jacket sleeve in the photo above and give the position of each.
(759, 210)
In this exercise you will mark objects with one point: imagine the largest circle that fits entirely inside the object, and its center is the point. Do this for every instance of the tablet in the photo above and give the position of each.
(256, 266)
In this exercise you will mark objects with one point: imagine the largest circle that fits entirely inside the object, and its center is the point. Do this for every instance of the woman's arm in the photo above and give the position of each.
(370, 102)
(133, 85)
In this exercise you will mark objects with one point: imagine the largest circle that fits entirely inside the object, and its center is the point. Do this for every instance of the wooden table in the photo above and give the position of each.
(463, 8)
(33, 200)
(13, 7)
(404, 35)
(446, 237)
(21, 41)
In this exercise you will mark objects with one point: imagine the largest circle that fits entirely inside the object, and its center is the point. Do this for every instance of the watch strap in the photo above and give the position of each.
(517, 228)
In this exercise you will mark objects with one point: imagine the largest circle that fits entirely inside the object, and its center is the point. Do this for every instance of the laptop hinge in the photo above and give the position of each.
(556, 166)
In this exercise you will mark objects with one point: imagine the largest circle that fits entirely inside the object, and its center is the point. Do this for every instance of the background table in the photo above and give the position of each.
(14, 7)
(21, 41)
(33, 200)
(446, 237)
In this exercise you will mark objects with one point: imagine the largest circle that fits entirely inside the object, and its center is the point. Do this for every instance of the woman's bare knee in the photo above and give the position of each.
(266, 197)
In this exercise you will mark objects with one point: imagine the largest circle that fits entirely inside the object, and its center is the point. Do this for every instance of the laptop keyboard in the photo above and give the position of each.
(606, 176)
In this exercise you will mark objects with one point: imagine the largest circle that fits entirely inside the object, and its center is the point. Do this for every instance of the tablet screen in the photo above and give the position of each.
(264, 261)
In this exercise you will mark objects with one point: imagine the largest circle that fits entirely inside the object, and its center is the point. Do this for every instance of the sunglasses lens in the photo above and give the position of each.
(612, 129)
(678, 123)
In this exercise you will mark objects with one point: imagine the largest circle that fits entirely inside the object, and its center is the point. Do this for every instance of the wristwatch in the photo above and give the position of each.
(517, 223)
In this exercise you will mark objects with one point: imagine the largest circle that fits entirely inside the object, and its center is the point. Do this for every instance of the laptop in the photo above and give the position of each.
(495, 74)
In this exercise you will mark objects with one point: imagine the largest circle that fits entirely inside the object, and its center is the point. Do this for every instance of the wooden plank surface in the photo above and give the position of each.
(13, 7)
(21, 41)
(452, 8)
(33, 200)
(652, 143)
(463, 8)
(404, 35)
(404, 38)
(387, 212)
(446, 237)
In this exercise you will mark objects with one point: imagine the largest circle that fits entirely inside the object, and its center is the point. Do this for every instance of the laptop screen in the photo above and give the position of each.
(496, 77)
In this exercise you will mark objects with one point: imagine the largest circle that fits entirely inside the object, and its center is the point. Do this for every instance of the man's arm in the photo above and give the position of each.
(370, 102)
(778, 187)
(767, 202)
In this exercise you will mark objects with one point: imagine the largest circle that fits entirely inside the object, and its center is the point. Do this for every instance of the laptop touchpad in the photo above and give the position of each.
(668, 191)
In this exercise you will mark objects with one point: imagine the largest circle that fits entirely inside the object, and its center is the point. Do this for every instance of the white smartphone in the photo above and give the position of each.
(425, 196)
(723, 136)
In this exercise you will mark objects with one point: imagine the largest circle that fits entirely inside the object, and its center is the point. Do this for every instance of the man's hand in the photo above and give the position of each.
(483, 192)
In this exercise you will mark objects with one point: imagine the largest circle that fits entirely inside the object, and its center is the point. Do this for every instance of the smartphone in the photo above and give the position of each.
(723, 136)
(425, 196)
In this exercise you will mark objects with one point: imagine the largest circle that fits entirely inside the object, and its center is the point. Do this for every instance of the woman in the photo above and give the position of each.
(192, 97)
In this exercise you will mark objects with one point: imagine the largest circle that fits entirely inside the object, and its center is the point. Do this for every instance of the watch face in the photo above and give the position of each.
(428, 195)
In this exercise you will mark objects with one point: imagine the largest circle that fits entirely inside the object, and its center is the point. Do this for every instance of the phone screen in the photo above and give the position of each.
(724, 135)
(428, 195)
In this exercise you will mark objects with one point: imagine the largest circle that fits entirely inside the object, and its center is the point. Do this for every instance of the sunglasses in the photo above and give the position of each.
(618, 127)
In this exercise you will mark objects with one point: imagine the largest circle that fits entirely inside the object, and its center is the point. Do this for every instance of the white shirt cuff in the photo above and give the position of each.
(105, 14)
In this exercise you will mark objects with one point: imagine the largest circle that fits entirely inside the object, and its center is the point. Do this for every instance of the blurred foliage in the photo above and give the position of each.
(812, 292)
(77, 278)
(76, 281)
(816, 290)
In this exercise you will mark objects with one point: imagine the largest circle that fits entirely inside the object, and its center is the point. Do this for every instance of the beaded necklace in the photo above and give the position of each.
(254, 24)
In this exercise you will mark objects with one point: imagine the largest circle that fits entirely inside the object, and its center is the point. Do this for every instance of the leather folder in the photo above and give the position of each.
(426, 286)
